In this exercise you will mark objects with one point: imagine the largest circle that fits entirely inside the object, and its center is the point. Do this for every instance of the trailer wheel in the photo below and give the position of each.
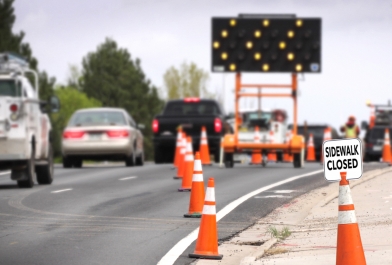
(298, 160)
(229, 161)
(29, 172)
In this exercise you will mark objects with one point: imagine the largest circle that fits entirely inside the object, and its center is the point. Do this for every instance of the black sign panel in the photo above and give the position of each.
(266, 45)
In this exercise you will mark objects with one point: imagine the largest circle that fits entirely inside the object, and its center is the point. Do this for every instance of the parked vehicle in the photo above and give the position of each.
(318, 135)
(102, 134)
(191, 114)
(374, 141)
(25, 128)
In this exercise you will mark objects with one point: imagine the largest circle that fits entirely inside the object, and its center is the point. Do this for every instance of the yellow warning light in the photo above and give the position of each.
(249, 45)
(216, 45)
(225, 33)
(257, 33)
(266, 22)
(290, 34)
(299, 23)
(290, 56)
(233, 22)
(224, 56)
(257, 56)
(232, 67)
(282, 45)
(265, 67)
(298, 67)
(368, 103)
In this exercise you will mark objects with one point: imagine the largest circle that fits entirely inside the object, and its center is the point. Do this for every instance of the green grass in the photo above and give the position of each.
(280, 235)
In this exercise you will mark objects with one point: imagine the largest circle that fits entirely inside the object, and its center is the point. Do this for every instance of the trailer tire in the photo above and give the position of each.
(29, 171)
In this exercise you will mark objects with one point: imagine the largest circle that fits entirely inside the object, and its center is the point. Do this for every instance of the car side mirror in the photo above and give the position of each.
(364, 125)
(54, 104)
(141, 126)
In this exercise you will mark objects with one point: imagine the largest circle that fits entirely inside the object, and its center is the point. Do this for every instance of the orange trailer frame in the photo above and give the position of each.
(231, 144)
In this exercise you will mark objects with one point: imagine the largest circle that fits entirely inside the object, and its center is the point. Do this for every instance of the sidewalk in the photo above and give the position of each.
(312, 219)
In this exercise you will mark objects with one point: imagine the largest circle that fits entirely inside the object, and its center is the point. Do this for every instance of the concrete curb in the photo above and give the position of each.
(259, 252)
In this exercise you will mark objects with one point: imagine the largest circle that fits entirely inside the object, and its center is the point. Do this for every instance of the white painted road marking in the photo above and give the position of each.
(184, 243)
(5, 173)
(133, 177)
(57, 191)
(273, 196)
(282, 191)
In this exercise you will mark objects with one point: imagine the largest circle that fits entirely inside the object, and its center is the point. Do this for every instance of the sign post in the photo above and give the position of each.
(342, 156)
(342, 162)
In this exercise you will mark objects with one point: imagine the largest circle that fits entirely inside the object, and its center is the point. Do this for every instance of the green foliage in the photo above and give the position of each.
(110, 75)
(71, 100)
(187, 81)
(280, 235)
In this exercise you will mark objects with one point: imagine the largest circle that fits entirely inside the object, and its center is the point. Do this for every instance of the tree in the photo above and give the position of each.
(110, 75)
(187, 81)
(71, 101)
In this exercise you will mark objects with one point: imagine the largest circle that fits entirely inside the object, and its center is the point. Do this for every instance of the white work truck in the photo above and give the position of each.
(25, 129)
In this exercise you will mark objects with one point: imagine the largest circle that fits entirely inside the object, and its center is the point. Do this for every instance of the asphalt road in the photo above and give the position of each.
(119, 215)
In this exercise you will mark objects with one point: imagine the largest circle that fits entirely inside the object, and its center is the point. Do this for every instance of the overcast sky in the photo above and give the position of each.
(356, 45)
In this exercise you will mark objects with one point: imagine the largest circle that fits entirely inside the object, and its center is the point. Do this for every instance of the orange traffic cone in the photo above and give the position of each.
(181, 167)
(188, 167)
(178, 148)
(372, 121)
(207, 240)
(349, 249)
(204, 151)
(197, 192)
(271, 154)
(287, 157)
(386, 151)
(256, 154)
(327, 136)
(311, 155)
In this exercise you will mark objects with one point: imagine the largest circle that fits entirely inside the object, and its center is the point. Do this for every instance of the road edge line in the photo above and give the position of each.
(184, 243)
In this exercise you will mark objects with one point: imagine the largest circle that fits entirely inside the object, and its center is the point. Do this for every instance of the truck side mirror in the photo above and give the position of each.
(54, 104)
(364, 125)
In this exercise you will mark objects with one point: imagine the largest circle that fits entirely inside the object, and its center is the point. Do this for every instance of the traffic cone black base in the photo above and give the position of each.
(196, 256)
(194, 215)
(182, 189)
(176, 177)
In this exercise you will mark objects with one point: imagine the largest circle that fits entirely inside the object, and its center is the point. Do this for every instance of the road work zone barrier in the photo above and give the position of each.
(343, 162)
(207, 239)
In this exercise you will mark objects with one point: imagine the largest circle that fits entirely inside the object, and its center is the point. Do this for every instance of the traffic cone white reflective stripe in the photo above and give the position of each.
(207, 239)
(311, 155)
(178, 149)
(196, 198)
(271, 153)
(204, 150)
(188, 171)
(349, 250)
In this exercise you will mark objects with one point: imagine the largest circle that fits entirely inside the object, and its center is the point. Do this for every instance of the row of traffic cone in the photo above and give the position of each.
(386, 151)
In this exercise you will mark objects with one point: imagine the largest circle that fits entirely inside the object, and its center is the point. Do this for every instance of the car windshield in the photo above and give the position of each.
(10, 88)
(93, 118)
(191, 108)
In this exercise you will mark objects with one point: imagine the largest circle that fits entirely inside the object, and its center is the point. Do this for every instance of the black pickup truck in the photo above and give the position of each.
(191, 114)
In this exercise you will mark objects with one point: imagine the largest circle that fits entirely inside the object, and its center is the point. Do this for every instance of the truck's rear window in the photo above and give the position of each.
(191, 108)
(10, 88)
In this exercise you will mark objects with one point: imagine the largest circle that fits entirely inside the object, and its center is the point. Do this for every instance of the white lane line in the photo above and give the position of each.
(272, 196)
(133, 177)
(57, 191)
(184, 243)
(5, 173)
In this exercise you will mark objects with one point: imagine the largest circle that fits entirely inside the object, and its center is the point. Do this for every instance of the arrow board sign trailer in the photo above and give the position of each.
(342, 156)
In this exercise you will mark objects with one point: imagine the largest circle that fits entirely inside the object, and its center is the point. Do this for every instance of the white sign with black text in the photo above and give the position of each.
(342, 156)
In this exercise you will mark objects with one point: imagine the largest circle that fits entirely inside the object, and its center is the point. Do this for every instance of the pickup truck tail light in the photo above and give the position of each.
(117, 133)
(68, 134)
(188, 100)
(218, 125)
(155, 126)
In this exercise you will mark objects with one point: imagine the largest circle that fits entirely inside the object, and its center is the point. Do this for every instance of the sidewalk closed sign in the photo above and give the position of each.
(342, 156)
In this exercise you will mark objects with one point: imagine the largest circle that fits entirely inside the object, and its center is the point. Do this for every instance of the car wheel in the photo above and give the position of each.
(158, 159)
(45, 172)
(29, 172)
(77, 163)
(67, 162)
(140, 159)
(297, 160)
(130, 160)
(229, 161)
